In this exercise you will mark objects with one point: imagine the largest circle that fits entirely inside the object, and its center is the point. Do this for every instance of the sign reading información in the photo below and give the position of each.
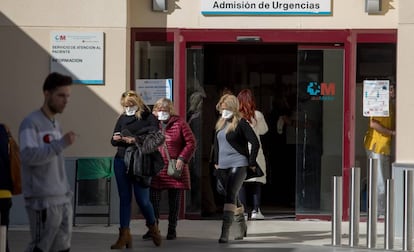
(78, 54)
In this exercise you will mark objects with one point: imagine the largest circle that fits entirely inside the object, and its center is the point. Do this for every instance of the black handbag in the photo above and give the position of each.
(220, 182)
(151, 141)
(254, 172)
(142, 167)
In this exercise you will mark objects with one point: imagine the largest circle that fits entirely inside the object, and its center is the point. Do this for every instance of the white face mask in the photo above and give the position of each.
(130, 111)
(163, 116)
(226, 114)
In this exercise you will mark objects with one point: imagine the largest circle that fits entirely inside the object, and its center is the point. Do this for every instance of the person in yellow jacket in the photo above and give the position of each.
(378, 141)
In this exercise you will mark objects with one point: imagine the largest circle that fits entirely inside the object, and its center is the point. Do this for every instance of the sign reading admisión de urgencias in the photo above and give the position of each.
(266, 7)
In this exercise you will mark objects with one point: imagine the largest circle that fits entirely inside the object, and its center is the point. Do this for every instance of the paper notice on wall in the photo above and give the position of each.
(153, 89)
(376, 98)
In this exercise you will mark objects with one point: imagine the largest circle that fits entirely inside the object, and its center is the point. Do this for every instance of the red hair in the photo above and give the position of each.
(247, 104)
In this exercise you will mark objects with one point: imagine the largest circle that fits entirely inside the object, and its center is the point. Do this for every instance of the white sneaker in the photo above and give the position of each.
(257, 215)
(246, 216)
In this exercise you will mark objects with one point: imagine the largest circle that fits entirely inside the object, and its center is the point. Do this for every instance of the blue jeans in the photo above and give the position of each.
(256, 189)
(125, 184)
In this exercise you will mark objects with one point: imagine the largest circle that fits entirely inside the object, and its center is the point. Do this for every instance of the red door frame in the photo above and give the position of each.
(183, 38)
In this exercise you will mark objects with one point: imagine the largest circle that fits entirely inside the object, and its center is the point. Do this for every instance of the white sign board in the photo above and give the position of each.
(78, 54)
(266, 7)
(376, 98)
(153, 89)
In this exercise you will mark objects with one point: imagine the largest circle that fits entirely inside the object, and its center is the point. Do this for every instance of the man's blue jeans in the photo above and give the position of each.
(125, 185)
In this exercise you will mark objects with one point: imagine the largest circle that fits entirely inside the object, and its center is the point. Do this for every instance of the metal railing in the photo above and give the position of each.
(337, 211)
(354, 207)
(407, 243)
(3, 238)
(372, 203)
(389, 216)
(372, 214)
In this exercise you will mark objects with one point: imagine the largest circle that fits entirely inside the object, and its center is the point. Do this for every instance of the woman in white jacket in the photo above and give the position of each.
(258, 123)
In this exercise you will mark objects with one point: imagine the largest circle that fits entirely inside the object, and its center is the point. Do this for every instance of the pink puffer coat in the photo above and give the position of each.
(181, 143)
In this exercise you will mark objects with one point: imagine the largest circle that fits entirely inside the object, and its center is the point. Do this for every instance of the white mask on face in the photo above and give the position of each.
(163, 116)
(226, 114)
(130, 111)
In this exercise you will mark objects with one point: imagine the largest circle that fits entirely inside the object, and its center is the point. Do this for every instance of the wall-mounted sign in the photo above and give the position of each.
(321, 91)
(266, 7)
(153, 89)
(78, 54)
(376, 98)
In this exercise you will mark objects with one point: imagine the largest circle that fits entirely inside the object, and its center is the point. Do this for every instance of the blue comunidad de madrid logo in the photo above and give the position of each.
(321, 91)
(313, 88)
(60, 37)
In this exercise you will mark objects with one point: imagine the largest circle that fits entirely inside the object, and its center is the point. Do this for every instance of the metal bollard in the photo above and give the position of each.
(389, 216)
(337, 211)
(408, 211)
(3, 238)
(372, 203)
(354, 206)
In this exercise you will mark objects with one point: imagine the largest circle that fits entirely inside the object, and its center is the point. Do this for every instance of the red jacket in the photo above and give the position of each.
(181, 144)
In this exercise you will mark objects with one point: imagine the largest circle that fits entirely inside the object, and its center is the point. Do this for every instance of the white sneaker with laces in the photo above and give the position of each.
(257, 215)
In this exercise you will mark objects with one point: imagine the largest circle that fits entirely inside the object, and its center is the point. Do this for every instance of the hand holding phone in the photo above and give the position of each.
(117, 136)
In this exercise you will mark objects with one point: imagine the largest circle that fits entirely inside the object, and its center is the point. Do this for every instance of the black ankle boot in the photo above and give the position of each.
(172, 234)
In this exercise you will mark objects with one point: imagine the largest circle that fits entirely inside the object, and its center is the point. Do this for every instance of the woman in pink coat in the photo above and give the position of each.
(181, 145)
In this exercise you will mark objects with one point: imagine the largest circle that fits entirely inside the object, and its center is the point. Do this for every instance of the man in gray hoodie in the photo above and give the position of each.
(46, 190)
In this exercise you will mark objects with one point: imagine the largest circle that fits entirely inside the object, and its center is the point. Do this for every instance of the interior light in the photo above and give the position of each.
(249, 39)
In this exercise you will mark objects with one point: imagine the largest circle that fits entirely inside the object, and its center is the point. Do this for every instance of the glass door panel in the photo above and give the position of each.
(153, 60)
(195, 95)
(317, 125)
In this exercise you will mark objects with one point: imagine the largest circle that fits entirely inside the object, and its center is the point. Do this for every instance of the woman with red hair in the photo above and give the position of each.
(258, 123)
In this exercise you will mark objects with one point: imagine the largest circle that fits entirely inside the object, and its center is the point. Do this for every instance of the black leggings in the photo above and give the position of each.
(256, 189)
(174, 200)
(232, 180)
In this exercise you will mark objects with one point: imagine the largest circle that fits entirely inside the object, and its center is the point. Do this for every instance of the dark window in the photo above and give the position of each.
(376, 61)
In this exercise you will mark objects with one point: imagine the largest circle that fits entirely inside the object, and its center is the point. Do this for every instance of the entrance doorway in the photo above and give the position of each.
(270, 72)
(319, 59)
(279, 76)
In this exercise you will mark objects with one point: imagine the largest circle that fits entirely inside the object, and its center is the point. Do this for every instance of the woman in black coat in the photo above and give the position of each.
(136, 118)
(232, 159)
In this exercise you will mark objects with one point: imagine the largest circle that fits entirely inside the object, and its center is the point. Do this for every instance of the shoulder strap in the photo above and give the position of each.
(165, 145)
(166, 151)
(7, 130)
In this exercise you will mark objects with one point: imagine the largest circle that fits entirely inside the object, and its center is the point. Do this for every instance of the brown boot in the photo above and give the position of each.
(155, 234)
(124, 239)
